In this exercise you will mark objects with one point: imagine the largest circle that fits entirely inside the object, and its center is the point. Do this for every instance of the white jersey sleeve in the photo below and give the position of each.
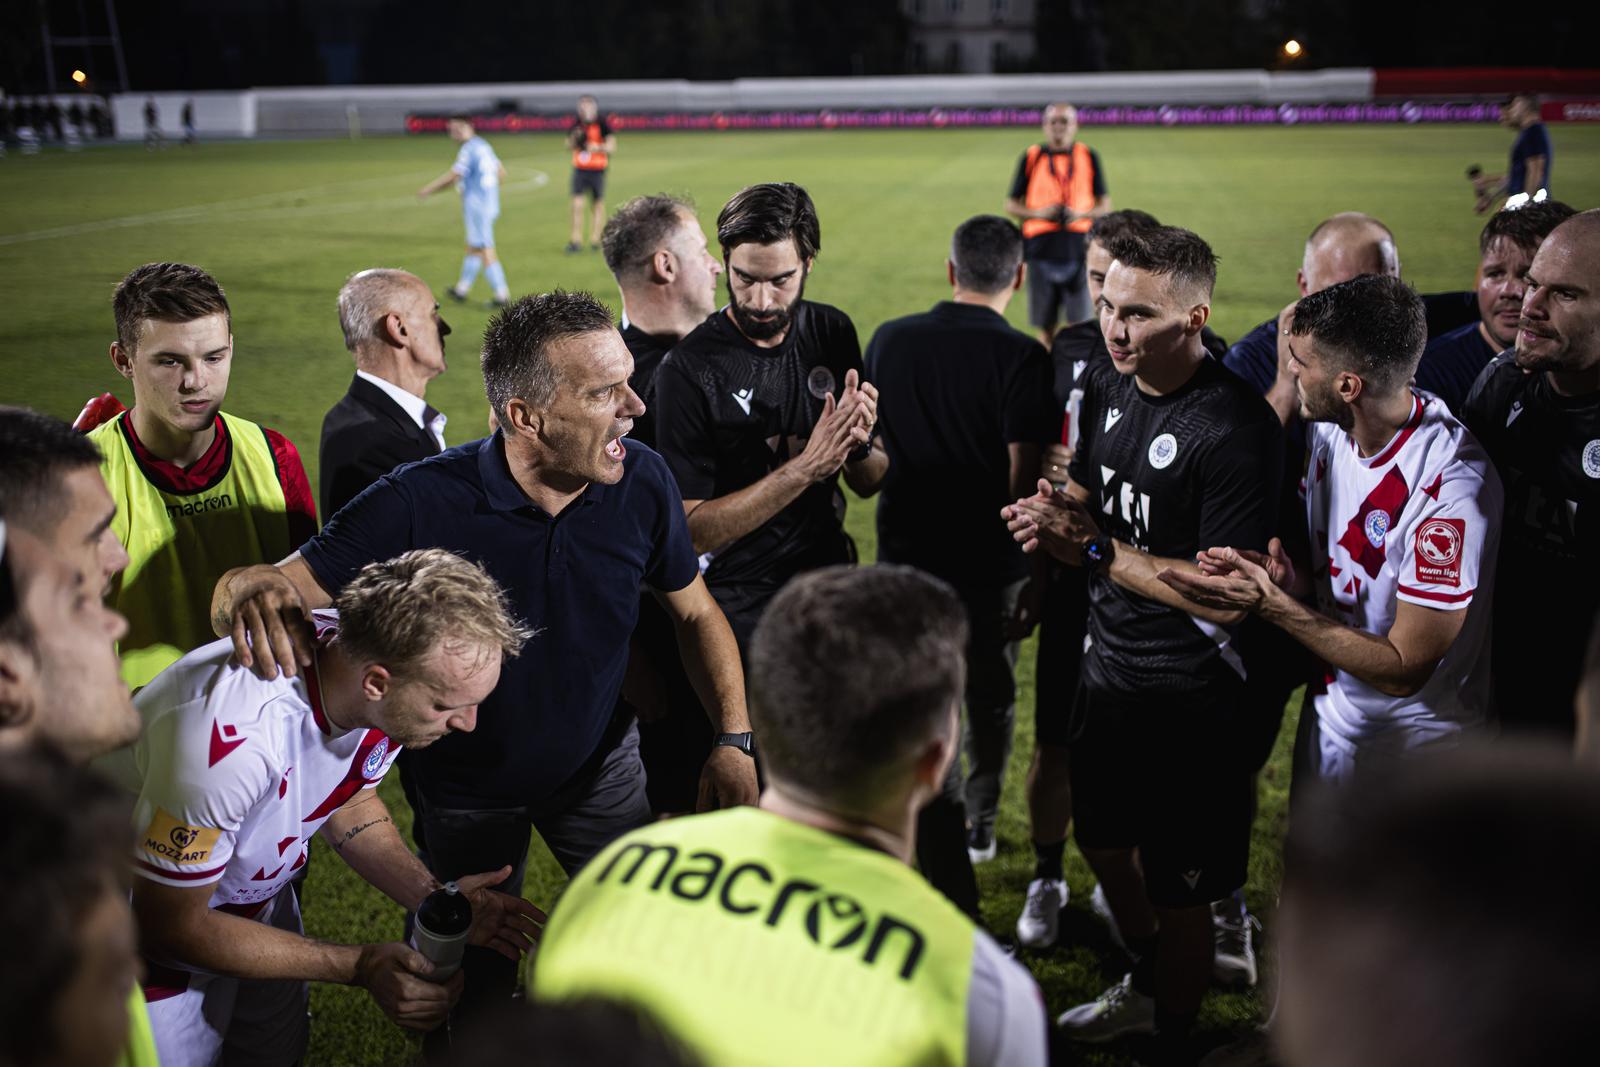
(1006, 1024)
(201, 782)
(1448, 540)
(463, 164)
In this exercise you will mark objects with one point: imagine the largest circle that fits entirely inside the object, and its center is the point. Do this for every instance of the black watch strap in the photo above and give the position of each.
(745, 742)
(1098, 552)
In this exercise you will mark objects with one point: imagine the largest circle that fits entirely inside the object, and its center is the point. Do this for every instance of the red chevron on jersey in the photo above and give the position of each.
(368, 758)
(223, 741)
(1364, 536)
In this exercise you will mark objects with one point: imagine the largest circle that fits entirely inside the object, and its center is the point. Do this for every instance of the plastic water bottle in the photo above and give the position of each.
(440, 930)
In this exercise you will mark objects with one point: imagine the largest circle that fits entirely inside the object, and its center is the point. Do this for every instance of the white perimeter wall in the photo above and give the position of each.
(382, 109)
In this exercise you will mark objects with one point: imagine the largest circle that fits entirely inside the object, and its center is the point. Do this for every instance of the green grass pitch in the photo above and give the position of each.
(282, 224)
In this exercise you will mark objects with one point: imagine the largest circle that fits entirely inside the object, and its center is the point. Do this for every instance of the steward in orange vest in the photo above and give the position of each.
(1058, 185)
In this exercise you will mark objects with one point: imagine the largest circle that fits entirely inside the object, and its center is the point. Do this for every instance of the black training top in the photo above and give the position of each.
(1546, 448)
(728, 413)
(1451, 363)
(574, 578)
(648, 350)
(1170, 475)
(1533, 141)
(958, 385)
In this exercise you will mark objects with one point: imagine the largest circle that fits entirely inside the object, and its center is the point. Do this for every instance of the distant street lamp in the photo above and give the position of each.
(1292, 48)
(79, 77)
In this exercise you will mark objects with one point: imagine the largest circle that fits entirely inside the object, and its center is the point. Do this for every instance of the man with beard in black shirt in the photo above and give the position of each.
(1537, 411)
(1173, 452)
(762, 406)
(656, 250)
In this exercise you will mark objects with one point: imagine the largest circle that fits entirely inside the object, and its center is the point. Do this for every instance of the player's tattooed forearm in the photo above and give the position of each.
(338, 846)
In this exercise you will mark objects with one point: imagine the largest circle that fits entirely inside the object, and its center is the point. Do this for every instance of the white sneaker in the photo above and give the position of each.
(1040, 921)
(1101, 907)
(1120, 1010)
(1234, 932)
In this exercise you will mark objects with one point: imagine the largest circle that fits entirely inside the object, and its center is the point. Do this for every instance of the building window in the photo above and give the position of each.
(952, 57)
(998, 8)
(955, 7)
(997, 56)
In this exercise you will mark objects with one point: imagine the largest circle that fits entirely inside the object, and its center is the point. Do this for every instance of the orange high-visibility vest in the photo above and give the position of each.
(1056, 178)
(585, 159)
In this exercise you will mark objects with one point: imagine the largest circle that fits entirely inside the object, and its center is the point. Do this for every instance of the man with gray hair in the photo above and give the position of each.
(392, 327)
(967, 413)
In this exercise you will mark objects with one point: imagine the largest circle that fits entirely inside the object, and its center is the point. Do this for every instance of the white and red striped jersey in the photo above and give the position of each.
(1417, 522)
(235, 774)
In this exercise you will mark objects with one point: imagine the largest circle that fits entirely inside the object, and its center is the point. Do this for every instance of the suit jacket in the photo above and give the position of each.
(365, 436)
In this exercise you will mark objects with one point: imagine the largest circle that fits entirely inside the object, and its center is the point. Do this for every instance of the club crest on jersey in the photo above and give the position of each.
(1439, 544)
(1376, 526)
(1163, 450)
(1591, 458)
(819, 383)
(374, 761)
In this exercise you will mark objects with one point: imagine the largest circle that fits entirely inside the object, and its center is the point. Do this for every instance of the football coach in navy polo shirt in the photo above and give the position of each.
(572, 519)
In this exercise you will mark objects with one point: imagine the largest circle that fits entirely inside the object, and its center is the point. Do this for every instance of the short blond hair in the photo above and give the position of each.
(396, 612)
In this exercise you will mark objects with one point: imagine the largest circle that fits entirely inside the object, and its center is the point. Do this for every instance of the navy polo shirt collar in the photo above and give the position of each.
(502, 490)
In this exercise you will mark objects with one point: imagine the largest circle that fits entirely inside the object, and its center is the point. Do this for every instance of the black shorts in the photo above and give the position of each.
(592, 182)
(1058, 292)
(1167, 774)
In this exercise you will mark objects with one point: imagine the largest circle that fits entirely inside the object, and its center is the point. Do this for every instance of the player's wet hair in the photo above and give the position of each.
(63, 848)
(1114, 224)
(1373, 325)
(36, 453)
(398, 611)
(1382, 877)
(1181, 256)
(516, 359)
(366, 298)
(986, 251)
(767, 214)
(1526, 226)
(853, 670)
(166, 292)
(639, 229)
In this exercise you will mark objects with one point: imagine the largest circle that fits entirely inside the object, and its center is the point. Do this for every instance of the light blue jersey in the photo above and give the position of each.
(479, 177)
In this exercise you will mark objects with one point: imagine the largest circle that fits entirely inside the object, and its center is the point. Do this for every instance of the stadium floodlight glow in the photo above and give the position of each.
(79, 76)
(1292, 48)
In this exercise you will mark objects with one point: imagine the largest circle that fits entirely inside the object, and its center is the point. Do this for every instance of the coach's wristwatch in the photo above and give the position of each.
(745, 742)
(1097, 553)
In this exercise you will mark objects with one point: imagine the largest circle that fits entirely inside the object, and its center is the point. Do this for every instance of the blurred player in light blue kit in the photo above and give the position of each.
(477, 173)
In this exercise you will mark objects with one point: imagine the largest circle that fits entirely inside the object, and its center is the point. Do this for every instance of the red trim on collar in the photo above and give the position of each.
(198, 476)
(1400, 439)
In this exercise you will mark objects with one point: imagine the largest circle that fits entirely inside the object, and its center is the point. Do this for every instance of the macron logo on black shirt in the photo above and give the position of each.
(742, 398)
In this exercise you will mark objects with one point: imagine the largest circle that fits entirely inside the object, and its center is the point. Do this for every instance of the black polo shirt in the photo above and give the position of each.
(1451, 363)
(957, 386)
(729, 412)
(574, 578)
